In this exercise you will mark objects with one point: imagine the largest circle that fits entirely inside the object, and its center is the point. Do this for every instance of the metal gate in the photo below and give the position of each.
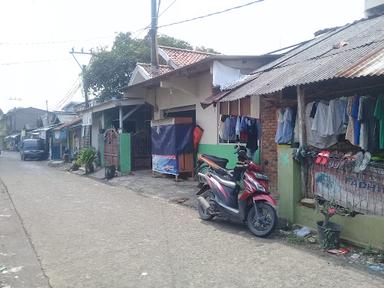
(141, 150)
(111, 148)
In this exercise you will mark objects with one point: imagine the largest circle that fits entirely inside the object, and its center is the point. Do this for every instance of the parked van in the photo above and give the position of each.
(33, 149)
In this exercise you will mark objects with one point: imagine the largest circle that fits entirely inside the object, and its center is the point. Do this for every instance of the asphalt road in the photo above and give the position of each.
(73, 231)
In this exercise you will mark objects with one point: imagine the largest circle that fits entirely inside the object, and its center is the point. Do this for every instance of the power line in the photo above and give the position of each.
(33, 62)
(54, 42)
(69, 95)
(210, 14)
(169, 6)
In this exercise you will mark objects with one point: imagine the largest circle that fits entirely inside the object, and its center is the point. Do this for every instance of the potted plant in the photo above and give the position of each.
(86, 157)
(329, 232)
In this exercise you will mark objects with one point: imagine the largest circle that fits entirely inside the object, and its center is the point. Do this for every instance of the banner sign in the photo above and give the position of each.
(362, 192)
(165, 164)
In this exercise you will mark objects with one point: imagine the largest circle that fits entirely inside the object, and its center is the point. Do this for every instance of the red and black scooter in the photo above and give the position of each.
(241, 194)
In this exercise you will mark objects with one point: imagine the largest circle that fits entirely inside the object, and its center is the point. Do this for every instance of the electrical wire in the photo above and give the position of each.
(69, 95)
(169, 6)
(210, 14)
(54, 42)
(34, 61)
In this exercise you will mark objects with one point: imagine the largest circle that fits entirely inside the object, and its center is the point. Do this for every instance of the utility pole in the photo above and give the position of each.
(83, 68)
(153, 34)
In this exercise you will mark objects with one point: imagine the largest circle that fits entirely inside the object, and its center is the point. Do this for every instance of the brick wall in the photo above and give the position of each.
(268, 146)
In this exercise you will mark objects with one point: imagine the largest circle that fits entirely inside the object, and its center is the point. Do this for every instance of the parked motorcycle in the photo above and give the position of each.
(241, 194)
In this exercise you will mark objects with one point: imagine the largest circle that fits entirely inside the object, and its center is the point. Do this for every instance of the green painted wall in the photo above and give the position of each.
(362, 230)
(288, 183)
(125, 153)
(224, 151)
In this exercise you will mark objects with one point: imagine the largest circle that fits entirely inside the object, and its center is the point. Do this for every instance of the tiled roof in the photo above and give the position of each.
(183, 57)
(351, 51)
(162, 68)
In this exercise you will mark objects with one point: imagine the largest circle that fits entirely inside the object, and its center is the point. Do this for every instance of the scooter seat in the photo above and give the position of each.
(222, 162)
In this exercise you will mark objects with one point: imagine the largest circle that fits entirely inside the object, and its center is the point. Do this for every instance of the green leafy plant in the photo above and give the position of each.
(86, 157)
(329, 231)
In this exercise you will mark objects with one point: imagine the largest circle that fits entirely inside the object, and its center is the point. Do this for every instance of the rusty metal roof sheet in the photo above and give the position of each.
(371, 65)
(354, 50)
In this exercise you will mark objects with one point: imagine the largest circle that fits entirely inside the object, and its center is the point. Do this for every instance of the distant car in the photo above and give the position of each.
(33, 149)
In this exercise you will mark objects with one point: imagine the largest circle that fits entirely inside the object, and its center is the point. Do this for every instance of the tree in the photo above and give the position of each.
(110, 70)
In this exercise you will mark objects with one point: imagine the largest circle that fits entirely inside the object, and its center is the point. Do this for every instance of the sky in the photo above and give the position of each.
(36, 35)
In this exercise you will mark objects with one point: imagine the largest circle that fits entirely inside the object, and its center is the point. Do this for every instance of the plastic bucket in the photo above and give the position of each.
(329, 236)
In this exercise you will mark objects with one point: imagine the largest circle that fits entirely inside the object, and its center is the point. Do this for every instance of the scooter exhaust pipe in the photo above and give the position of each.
(204, 203)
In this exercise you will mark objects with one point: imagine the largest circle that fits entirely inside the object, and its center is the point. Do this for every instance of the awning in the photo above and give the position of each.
(113, 104)
(214, 98)
(68, 124)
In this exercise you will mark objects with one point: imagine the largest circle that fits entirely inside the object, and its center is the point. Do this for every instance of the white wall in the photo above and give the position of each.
(187, 91)
(206, 118)
(96, 125)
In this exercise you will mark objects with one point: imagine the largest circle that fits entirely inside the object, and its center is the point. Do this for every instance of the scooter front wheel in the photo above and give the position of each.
(264, 222)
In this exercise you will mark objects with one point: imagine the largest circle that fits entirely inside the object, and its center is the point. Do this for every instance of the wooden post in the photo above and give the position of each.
(121, 119)
(302, 136)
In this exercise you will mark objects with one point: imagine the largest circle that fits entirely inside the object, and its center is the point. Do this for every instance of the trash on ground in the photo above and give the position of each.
(340, 251)
(302, 232)
(16, 269)
(376, 267)
(355, 256)
(312, 240)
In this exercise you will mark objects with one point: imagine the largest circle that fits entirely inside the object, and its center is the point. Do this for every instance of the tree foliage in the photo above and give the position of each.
(110, 70)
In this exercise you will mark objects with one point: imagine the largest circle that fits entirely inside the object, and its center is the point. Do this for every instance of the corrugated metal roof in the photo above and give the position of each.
(372, 65)
(354, 50)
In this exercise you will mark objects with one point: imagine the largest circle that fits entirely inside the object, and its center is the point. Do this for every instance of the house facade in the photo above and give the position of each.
(341, 68)
(181, 93)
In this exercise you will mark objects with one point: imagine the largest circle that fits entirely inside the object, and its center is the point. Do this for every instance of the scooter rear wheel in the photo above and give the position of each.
(263, 225)
(204, 215)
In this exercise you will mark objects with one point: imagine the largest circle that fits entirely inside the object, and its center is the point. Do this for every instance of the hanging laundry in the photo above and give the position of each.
(313, 110)
(319, 121)
(243, 129)
(313, 137)
(335, 117)
(356, 123)
(227, 129)
(252, 138)
(371, 124)
(363, 139)
(288, 125)
(349, 134)
(280, 126)
(238, 127)
(232, 131)
(284, 131)
(379, 114)
(221, 127)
